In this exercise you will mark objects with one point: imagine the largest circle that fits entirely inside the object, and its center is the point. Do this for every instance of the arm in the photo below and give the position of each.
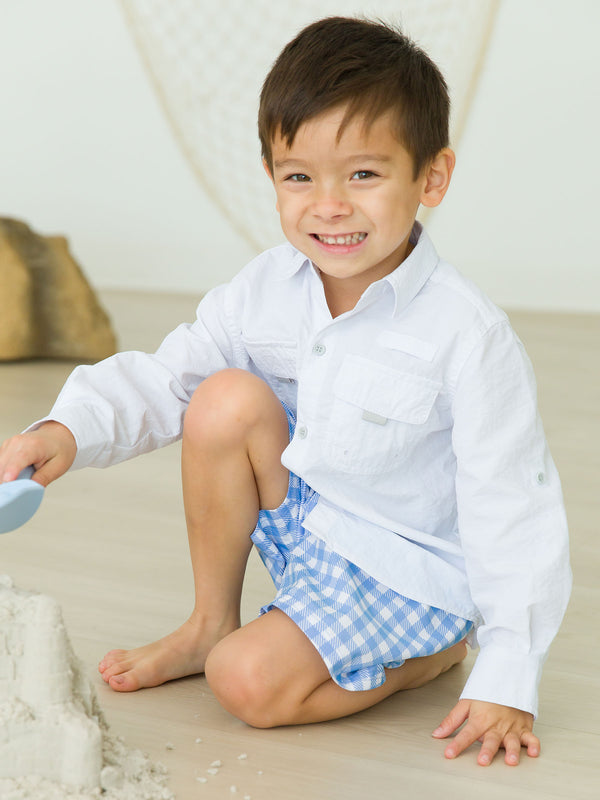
(514, 537)
(135, 402)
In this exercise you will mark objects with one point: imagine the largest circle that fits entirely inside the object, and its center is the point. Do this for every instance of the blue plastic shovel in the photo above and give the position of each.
(19, 500)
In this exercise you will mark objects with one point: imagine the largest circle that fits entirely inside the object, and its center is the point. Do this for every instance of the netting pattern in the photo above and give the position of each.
(208, 61)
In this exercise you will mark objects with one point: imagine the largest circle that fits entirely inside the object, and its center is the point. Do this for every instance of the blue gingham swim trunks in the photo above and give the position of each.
(359, 626)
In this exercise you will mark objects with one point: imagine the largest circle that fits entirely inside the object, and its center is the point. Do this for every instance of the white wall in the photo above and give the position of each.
(87, 152)
(521, 217)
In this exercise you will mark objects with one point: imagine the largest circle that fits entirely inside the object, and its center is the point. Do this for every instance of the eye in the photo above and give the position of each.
(298, 177)
(363, 174)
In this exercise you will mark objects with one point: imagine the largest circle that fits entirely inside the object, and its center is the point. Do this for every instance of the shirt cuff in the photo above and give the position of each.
(508, 679)
(78, 420)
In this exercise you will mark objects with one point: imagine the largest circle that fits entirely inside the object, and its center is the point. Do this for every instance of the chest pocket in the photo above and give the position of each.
(378, 415)
(276, 363)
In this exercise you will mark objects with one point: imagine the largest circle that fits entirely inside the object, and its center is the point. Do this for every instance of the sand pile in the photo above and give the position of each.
(54, 740)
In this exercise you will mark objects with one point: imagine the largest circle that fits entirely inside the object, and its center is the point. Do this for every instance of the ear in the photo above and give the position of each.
(436, 178)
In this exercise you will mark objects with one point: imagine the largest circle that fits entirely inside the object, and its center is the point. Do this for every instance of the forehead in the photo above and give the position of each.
(330, 132)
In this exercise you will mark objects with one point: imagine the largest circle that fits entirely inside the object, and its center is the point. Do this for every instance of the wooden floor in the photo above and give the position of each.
(110, 545)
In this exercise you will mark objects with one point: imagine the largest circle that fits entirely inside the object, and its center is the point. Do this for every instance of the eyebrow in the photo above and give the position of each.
(369, 157)
(290, 163)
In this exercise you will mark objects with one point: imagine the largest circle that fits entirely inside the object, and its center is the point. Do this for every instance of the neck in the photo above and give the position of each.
(342, 294)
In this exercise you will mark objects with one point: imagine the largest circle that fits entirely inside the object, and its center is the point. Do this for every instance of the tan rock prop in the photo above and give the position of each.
(47, 307)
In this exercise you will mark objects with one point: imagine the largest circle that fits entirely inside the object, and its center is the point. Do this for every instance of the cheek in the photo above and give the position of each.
(288, 211)
(287, 222)
(396, 212)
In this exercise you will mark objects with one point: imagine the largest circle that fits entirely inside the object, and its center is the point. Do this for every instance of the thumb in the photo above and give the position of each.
(50, 470)
(454, 720)
(45, 475)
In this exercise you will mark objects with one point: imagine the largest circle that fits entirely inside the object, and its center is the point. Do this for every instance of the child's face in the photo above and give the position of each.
(349, 205)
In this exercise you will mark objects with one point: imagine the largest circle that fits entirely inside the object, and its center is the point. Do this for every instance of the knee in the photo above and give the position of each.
(241, 684)
(226, 405)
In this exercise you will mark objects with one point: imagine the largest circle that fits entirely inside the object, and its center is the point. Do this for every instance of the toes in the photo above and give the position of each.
(124, 682)
(124, 672)
(112, 657)
(110, 667)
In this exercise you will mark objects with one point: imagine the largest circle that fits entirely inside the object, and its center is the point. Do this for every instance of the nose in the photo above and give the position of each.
(331, 203)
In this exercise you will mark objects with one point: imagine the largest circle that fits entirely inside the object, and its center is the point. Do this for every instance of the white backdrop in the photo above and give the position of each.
(86, 151)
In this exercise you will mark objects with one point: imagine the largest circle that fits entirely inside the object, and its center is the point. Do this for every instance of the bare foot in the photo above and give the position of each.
(177, 655)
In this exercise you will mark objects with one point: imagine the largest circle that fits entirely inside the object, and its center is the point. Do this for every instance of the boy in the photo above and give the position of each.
(414, 501)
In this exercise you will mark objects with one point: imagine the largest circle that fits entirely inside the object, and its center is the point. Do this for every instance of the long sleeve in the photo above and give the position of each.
(511, 520)
(135, 402)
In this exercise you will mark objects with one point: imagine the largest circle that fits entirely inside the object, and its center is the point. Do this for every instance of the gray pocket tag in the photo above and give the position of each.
(369, 416)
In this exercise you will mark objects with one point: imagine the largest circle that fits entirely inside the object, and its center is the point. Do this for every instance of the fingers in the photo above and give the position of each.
(512, 744)
(491, 743)
(469, 734)
(454, 720)
(15, 454)
(532, 743)
(490, 746)
(495, 727)
(51, 449)
(50, 471)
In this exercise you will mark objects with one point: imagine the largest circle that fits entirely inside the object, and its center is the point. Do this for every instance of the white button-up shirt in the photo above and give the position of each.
(417, 425)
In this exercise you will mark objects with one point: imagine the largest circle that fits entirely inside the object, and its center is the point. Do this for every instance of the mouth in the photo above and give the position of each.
(340, 239)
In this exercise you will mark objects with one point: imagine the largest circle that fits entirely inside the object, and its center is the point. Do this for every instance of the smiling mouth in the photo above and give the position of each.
(341, 239)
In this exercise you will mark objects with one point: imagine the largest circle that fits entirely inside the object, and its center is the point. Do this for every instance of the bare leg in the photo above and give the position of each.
(235, 431)
(269, 674)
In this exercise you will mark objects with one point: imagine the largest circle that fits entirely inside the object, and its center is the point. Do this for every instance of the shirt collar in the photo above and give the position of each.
(406, 281)
(295, 261)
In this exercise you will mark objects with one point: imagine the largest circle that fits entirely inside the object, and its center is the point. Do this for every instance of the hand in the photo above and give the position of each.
(51, 449)
(495, 726)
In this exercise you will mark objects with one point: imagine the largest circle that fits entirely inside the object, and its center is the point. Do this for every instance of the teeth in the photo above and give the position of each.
(350, 238)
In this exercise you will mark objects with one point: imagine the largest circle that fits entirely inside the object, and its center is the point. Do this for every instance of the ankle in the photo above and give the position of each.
(213, 626)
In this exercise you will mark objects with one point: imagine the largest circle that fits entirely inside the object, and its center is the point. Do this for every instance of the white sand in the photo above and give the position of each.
(54, 740)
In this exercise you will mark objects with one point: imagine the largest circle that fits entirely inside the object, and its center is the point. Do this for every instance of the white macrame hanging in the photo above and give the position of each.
(208, 60)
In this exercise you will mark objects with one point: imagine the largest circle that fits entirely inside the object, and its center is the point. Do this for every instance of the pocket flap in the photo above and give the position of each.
(418, 348)
(384, 391)
(278, 360)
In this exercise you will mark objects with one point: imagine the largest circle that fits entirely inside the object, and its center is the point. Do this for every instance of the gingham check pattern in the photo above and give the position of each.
(358, 625)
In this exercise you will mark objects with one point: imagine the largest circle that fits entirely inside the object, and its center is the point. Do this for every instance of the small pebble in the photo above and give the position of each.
(233, 789)
(242, 756)
(198, 740)
(247, 797)
(201, 780)
(170, 746)
(260, 772)
(217, 764)
(213, 771)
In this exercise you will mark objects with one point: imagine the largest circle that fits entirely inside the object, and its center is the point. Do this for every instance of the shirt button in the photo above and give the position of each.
(540, 478)
(319, 349)
(302, 432)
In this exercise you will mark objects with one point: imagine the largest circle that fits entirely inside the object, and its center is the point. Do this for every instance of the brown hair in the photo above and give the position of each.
(368, 66)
